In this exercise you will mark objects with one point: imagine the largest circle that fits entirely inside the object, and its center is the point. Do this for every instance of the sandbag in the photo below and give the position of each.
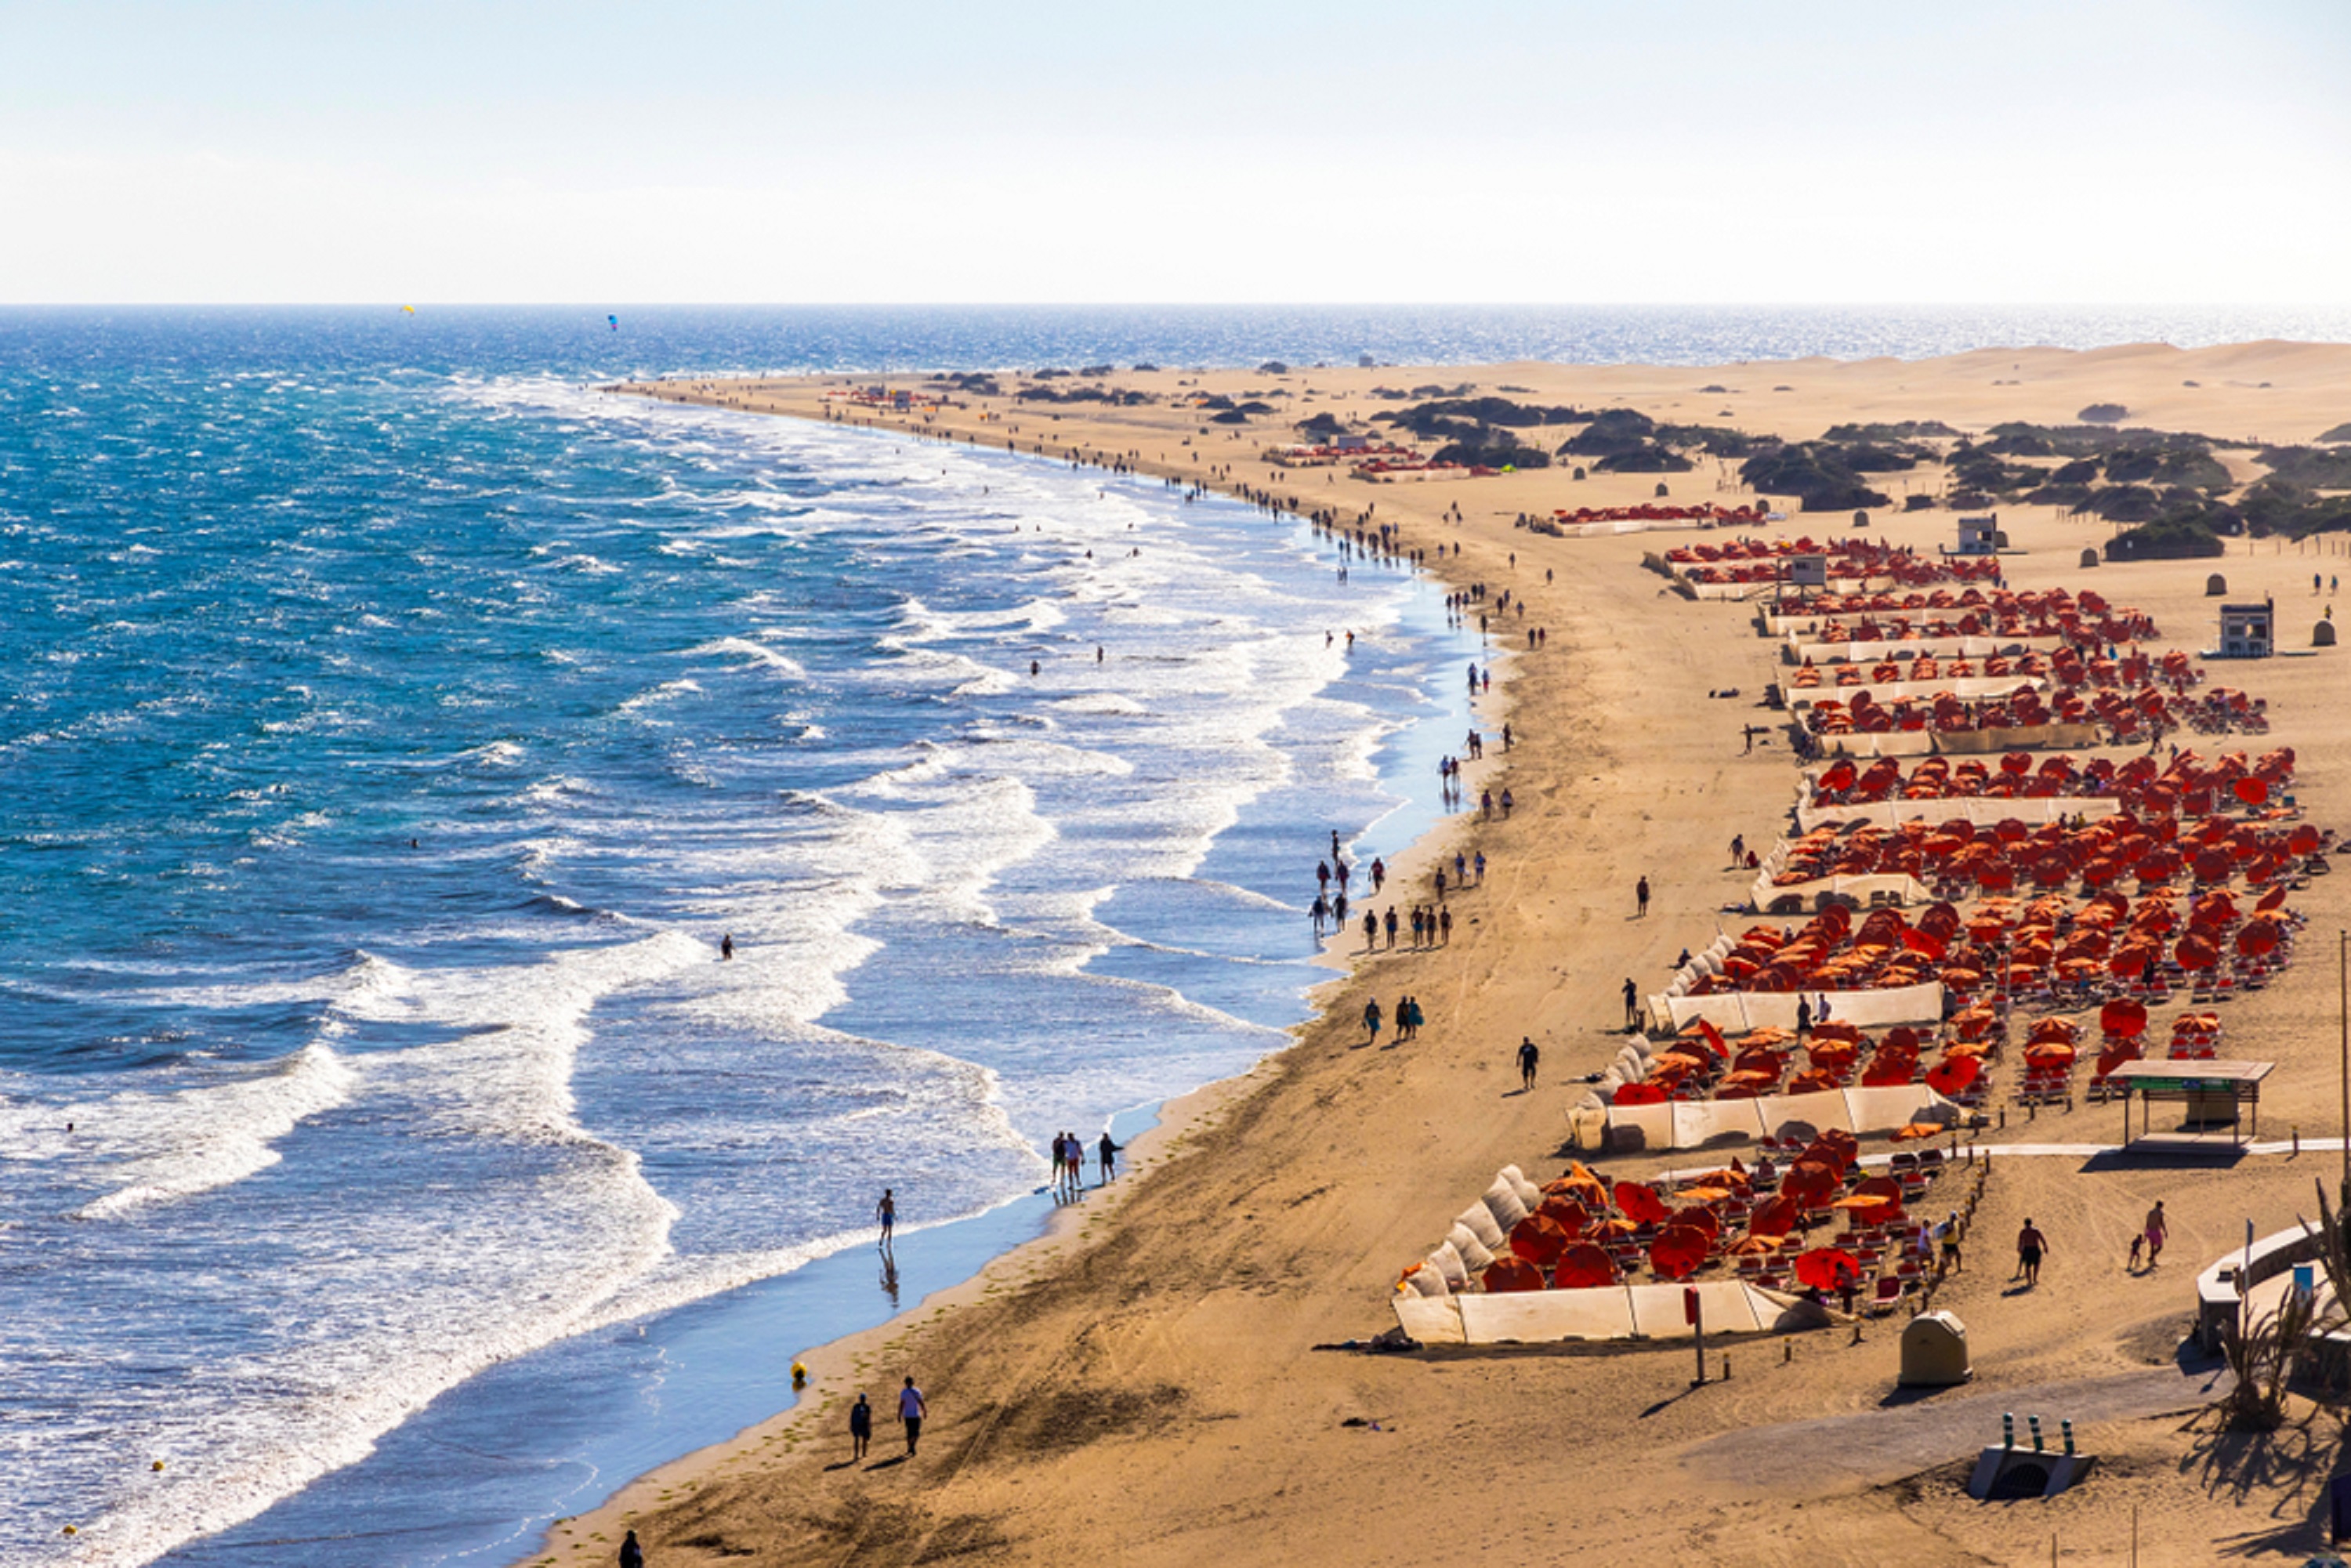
(1452, 1265)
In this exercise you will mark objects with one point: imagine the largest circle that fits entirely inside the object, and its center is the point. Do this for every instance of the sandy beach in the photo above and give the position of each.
(1144, 1384)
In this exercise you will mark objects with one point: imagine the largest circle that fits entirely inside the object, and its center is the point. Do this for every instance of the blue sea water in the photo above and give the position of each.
(391, 726)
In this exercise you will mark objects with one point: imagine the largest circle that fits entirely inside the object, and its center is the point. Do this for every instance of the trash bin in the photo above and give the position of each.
(1935, 1351)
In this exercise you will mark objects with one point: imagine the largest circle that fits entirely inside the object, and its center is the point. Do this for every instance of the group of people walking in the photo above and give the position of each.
(1408, 1019)
(1430, 927)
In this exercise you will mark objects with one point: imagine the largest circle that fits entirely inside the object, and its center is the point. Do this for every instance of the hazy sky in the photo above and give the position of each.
(1713, 151)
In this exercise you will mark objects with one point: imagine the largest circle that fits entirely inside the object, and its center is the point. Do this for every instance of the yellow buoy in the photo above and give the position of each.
(156, 1466)
(69, 1530)
(799, 1375)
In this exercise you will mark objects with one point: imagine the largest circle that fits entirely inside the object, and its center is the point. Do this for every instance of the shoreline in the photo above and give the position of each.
(1157, 1384)
(1065, 1231)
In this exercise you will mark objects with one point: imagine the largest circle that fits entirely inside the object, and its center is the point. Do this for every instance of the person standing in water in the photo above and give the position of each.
(1106, 1152)
(886, 1212)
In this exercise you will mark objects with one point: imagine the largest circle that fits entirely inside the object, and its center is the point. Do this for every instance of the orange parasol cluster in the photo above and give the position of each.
(2195, 1037)
(2046, 942)
(2154, 850)
(1749, 513)
(1586, 1234)
(2127, 713)
(2085, 619)
(1756, 560)
(1810, 676)
(2189, 784)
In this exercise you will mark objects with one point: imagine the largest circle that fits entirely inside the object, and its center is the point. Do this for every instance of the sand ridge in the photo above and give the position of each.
(1142, 1383)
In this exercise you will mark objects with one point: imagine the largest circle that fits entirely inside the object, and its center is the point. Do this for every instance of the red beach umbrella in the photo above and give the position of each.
(1583, 1267)
(1539, 1238)
(1640, 1203)
(1680, 1251)
(1824, 1269)
(1505, 1275)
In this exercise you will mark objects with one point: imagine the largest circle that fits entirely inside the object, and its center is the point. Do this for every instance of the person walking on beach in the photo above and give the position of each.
(1641, 896)
(1392, 925)
(1444, 927)
(1419, 927)
(1632, 1002)
(1106, 1153)
(2031, 1248)
(1379, 872)
(632, 1554)
(1480, 865)
(1530, 1055)
(1372, 1020)
(2155, 1232)
(1321, 912)
(861, 1426)
(1371, 931)
(886, 1213)
(910, 1410)
(1804, 1017)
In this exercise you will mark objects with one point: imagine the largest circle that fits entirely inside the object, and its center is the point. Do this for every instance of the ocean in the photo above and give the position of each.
(394, 726)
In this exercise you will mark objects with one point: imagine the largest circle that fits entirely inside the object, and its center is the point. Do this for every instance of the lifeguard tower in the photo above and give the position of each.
(2248, 631)
(1979, 535)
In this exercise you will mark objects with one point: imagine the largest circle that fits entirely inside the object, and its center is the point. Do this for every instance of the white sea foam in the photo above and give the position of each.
(745, 648)
(173, 1145)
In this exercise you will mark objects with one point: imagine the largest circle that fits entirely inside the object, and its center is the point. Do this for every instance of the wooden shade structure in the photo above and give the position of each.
(2214, 1092)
